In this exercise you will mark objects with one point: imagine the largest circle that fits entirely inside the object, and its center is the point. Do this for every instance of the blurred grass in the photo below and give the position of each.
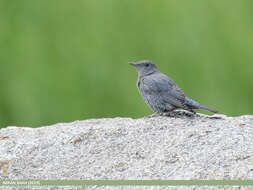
(67, 60)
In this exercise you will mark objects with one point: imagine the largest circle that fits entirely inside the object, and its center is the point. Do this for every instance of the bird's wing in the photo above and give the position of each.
(165, 89)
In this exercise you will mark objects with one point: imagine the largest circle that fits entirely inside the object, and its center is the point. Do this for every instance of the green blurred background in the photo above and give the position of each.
(65, 60)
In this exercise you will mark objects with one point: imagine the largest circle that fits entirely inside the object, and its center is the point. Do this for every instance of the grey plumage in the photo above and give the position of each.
(160, 92)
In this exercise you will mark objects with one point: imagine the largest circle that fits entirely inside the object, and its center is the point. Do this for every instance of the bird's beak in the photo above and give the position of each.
(133, 64)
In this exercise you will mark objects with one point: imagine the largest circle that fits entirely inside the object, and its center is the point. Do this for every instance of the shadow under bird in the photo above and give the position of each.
(160, 92)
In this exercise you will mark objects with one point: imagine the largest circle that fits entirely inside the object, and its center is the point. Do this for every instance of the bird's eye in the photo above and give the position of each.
(146, 65)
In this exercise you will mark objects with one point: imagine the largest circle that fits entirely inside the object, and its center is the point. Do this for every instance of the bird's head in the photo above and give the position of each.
(145, 67)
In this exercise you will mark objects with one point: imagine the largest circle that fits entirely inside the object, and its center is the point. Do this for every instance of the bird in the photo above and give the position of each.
(160, 92)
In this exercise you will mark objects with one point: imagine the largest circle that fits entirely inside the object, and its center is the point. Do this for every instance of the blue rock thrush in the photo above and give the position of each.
(160, 92)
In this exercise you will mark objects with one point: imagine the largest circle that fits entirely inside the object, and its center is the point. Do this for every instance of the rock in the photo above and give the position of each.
(181, 147)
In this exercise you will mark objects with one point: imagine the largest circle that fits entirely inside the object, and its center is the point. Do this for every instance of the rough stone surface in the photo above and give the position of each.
(180, 147)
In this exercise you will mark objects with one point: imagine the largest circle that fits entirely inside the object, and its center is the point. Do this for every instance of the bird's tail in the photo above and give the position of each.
(195, 105)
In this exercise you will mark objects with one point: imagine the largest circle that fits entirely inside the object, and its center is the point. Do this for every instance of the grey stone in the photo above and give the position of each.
(184, 147)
